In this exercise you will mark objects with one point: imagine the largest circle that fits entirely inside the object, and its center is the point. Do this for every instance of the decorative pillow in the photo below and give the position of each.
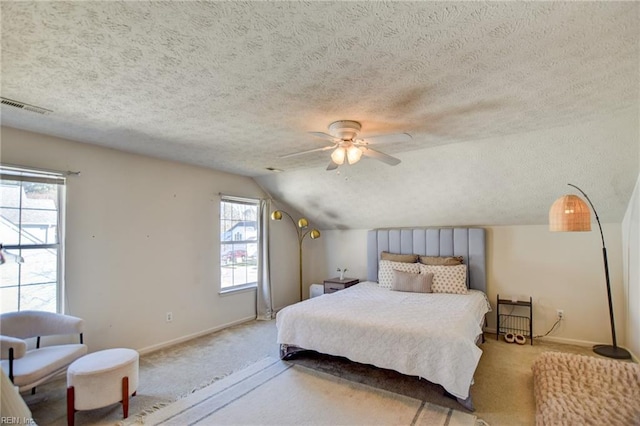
(414, 283)
(386, 267)
(404, 258)
(447, 279)
(441, 260)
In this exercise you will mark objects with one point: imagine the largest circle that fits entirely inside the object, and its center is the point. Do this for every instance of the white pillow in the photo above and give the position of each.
(447, 279)
(386, 267)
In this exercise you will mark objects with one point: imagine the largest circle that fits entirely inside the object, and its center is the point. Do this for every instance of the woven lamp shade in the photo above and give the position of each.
(569, 214)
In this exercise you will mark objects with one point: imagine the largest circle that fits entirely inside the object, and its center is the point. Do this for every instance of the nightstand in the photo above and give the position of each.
(335, 284)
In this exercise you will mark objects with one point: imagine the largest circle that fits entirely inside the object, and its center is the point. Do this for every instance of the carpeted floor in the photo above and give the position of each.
(502, 393)
(275, 392)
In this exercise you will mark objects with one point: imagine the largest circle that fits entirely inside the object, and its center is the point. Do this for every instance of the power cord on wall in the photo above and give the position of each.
(550, 330)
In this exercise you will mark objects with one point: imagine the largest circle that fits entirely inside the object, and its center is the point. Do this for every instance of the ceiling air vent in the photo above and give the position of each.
(24, 106)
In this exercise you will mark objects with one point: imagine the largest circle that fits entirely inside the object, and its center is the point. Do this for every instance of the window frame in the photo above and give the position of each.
(250, 286)
(9, 172)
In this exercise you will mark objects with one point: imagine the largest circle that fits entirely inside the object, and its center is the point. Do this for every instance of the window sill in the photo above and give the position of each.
(238, 289)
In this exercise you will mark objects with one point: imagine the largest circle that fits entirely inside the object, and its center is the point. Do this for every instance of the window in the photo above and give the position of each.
(238, 243)
(31, 208)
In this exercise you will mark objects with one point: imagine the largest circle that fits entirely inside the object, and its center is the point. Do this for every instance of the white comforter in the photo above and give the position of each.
(427, 335)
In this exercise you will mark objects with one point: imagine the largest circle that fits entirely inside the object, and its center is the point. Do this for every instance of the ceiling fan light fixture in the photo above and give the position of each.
(338, 155)
(353, 154)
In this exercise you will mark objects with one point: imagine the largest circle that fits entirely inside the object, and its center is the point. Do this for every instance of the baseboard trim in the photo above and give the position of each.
(556, 339)
(182, 339)
(566, 341)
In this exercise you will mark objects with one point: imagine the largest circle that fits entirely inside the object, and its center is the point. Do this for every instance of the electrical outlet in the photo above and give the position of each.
(560, 313)
(169, 317)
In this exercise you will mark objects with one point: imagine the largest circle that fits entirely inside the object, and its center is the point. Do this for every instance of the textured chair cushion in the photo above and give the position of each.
(43, 363)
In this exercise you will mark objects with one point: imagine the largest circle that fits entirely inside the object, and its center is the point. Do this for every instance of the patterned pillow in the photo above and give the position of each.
(414, 283)
(447, 279)
(386, 267)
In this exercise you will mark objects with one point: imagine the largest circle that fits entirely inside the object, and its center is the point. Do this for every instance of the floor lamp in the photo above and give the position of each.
(301, 228)
(571, 214)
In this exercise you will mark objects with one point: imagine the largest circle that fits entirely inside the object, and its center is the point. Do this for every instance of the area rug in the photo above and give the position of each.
(275, 392)
(585, 390)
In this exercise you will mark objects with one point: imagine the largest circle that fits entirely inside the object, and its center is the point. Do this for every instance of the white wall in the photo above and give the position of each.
(631, 267)
(559, 270)
(142, 239)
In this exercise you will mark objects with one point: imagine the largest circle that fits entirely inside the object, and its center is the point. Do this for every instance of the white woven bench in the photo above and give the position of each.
(575, 389)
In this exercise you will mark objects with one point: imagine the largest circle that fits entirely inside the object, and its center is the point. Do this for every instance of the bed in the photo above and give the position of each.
(433, 336)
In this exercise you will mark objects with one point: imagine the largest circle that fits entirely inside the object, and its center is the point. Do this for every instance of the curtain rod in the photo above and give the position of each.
(26, 169)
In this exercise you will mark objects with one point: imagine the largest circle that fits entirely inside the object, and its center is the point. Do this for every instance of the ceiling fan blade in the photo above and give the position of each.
(324, 148)
(394, 137)
(324, 136)
(392, 161)
(332, 166)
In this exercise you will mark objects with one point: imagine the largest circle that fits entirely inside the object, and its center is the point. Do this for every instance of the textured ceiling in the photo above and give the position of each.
(235, 85)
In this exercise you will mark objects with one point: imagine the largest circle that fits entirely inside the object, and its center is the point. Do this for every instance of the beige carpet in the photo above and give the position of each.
(502, 393)
(274, 392)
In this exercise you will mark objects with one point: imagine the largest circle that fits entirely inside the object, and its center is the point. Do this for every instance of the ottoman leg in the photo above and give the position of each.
(125, 397)
(70, 406)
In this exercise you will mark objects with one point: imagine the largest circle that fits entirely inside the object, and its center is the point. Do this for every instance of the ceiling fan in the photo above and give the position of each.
(347, 146)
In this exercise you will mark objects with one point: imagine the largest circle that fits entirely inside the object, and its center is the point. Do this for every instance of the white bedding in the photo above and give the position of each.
(420, 334)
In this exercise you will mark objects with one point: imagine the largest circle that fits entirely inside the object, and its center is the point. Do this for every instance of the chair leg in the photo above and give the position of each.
(70, 406)
(125, 397)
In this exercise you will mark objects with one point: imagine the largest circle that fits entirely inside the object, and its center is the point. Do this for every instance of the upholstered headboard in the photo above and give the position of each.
(466, 242)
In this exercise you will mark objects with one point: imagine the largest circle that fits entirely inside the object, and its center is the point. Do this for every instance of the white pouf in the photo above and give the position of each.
(102, 378)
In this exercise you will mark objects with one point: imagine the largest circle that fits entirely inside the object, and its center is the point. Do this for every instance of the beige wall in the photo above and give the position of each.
(141, 240)
(559, 270)
(631, 268)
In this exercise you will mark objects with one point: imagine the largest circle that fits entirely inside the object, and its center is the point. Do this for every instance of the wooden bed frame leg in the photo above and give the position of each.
(125, 397)
(70, 406)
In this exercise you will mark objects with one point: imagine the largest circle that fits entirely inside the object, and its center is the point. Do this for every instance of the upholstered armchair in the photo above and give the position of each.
(28, 366)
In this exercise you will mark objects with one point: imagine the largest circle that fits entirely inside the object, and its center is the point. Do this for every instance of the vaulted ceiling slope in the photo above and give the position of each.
(506, 102)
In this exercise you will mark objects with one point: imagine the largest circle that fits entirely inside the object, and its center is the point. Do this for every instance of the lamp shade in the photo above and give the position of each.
(569, 213)
(314, 234)
(302, 223)
(337, 156)
(276, 215)
(353, 154)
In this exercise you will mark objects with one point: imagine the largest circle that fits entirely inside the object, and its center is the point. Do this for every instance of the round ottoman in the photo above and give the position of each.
(102, 378)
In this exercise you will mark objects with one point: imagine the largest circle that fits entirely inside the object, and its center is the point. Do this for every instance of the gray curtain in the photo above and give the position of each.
(264, 302)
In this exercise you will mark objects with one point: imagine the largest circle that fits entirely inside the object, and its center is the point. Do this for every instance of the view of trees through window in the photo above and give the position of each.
(238, 243)
(29, 220)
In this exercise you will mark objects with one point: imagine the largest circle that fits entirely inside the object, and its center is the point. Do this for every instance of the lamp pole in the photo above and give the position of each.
(611, 351)
(301, 225)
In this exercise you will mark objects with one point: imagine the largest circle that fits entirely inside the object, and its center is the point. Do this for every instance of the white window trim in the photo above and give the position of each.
(34, 174)
(241, 287)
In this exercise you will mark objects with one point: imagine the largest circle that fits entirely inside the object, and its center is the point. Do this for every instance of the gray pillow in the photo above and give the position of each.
(414, 283)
